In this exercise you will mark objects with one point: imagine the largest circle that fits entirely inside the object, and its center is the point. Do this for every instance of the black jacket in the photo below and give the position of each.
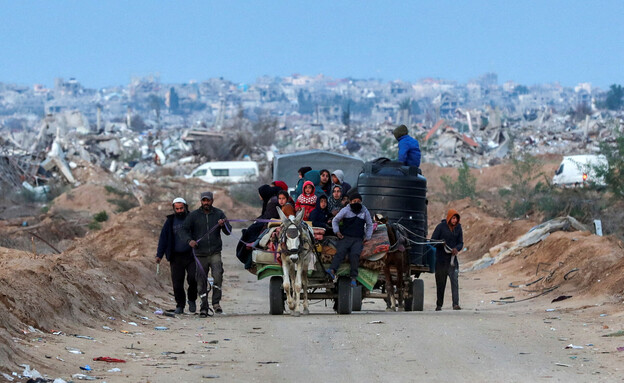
(453, 239)
(198, 223)
(166, 241)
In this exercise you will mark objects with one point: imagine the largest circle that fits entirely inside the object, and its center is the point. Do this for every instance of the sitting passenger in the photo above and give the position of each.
(325, 183)
(268, 195)
(307, 200)
(335, 202)
(321, 216)
(302, 171)
(281, 184)
(338, 179)
(286, 203)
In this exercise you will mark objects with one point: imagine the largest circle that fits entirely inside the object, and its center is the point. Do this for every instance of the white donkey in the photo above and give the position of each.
(296, 246)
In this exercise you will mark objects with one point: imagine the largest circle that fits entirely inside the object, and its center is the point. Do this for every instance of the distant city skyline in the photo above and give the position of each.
(107, 43)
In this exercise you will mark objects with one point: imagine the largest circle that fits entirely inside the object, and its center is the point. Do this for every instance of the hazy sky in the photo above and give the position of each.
(107, 42)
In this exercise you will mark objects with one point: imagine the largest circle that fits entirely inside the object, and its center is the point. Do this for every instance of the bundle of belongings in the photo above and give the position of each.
(372, 257)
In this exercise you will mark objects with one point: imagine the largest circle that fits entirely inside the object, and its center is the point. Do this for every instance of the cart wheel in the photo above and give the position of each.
(345, 296)
(357, 298)
(276, 296)
(415, 302)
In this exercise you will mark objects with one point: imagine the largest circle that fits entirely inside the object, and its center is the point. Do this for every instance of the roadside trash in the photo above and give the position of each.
(73, 350)
(173, 352)
(210, 376)
(617, 333)
(620, 348)
(562, 364)
(86, 368)
(108, 359)
(132, 324)
(550, 310)
(158, 312)
(30, 373)
(161, 328)
(8, 377)
(84, 377)
(561, 298)
(59, 380)
(84, 337)
(589, 345)
(573, 357)
(107, 328)
(603, 315)
(572, 346)
(270, 362)
(375, 322)
(115, 370)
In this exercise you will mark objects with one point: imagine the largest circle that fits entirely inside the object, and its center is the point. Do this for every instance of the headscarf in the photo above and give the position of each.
(281, 184)
(266, 192)
(332, 203)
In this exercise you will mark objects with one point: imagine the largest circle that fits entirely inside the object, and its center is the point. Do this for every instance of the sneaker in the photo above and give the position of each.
(192, 306)
(331, 274)
(179, 310)
(456, 307)
(217, 308)
(438, 308)
(353, 283)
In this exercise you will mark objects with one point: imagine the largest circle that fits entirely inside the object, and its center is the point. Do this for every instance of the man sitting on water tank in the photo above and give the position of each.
(409, 150)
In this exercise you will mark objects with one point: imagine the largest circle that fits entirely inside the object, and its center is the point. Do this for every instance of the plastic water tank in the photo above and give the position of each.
(398, 192)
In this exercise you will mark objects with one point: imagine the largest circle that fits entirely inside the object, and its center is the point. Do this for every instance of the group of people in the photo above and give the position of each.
(319, 193)
(191, 241)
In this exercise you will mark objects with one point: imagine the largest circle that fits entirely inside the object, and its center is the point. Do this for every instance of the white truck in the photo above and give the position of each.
(579, 171)
(226, 172)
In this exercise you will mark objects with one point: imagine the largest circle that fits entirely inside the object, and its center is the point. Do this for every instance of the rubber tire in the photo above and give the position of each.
(357, 298)
(276, 295)
(345, 296)
(417, 301)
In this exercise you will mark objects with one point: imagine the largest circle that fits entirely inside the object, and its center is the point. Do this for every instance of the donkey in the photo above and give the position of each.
(398, 258)
(295, 247)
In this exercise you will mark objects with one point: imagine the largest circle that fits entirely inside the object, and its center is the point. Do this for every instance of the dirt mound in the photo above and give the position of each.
(579, 263)
(106, 273)
(89, 198)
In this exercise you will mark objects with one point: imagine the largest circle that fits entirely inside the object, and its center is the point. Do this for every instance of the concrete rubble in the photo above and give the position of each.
(82, 127)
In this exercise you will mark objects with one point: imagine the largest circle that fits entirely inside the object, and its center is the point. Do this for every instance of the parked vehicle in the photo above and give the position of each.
(226, 172)
(579, 171)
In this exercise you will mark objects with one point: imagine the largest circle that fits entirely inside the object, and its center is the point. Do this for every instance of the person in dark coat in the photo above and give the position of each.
(207, 246)
(180, 257)
(321, 216)
(449, 231)
(409, 150)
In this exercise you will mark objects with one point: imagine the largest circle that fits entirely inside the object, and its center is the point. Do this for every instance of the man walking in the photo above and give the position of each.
(202, 231)
(180, 257)
(449, 231)
(409, 150)
(357, 227)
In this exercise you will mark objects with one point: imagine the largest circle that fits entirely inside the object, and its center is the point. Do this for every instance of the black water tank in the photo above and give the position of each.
(398, 192)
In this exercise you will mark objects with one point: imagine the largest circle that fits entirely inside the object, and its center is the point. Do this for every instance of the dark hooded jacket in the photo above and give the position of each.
(320, 217)
(454, 239)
